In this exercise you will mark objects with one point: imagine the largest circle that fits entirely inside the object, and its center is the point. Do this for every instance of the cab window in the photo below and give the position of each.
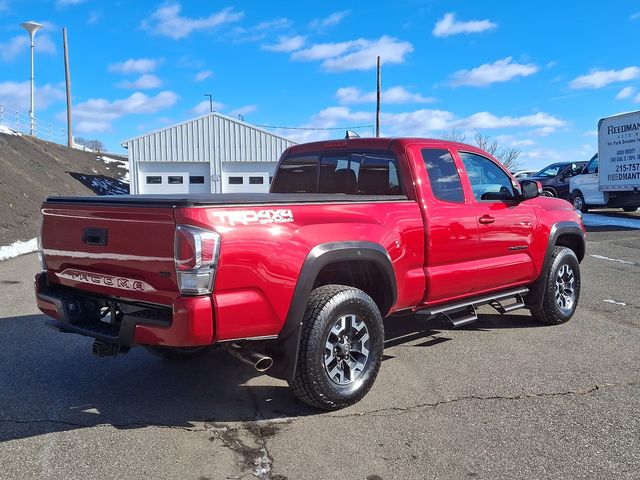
(592, 167)
(488, 180)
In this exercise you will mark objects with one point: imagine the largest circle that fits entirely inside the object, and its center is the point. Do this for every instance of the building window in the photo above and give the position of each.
(256, 181)
(175, 179)
(236, 181)
(154, 180)
(196, 179)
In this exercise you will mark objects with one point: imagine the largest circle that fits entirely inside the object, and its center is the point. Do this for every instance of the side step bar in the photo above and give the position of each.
(464, 312)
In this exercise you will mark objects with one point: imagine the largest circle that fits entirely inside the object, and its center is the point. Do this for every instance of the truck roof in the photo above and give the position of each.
(373, 143)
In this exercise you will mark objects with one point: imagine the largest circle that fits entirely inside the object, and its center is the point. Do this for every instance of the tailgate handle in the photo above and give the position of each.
(95, 236)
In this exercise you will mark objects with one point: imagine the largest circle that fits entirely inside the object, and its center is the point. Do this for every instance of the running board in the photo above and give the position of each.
(464, 312)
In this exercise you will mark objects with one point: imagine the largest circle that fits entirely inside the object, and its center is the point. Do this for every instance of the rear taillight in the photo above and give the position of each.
(196, 257)
(41, 260)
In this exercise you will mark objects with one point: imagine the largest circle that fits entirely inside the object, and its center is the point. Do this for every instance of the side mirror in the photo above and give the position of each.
(530, 189)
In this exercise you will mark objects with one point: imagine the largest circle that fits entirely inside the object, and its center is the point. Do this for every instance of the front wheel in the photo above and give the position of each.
(578, 202)
(562, 289)
(340, 348)
(548, 193)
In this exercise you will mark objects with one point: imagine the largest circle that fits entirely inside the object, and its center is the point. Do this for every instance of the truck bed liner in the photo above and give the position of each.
(226, 199)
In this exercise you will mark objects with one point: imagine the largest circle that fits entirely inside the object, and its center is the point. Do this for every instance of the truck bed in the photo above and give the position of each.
(229, 199)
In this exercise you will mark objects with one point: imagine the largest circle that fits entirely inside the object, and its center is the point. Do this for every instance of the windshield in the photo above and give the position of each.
(550, 171)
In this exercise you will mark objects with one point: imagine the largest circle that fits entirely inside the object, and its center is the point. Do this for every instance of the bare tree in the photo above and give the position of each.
(454, 135)
(507, 156)
(95, 145)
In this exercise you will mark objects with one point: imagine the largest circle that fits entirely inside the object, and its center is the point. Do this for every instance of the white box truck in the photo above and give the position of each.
(611, 179)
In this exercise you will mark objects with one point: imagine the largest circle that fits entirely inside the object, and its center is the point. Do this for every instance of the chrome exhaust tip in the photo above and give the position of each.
(260, 362)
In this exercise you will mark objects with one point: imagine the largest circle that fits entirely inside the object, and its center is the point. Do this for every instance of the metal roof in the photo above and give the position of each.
(211, 137)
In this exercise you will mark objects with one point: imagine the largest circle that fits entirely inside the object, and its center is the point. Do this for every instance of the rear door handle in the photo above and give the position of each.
(486, 219)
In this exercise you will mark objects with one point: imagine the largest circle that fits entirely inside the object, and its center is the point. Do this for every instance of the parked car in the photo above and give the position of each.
(555, 178)
(296, 282)
(520, 174)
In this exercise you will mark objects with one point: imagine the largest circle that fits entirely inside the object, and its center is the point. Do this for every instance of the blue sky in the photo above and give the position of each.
(537, 76)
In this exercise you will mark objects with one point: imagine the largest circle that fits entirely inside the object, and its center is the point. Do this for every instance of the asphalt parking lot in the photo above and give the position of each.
(503, 398)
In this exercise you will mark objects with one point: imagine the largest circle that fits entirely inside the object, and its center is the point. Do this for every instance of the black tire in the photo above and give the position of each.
(546, 192)
(550, 311)
(327, 306)
(577, 199)
(629, 209)
(179, 354)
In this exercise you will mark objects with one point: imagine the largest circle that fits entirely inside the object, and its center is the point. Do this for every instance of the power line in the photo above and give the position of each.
(314, 128)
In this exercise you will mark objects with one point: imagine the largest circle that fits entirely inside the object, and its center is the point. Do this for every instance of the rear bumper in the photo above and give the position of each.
(187, 323)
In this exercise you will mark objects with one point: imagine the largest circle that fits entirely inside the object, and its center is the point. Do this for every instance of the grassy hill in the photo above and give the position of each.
(32, 169)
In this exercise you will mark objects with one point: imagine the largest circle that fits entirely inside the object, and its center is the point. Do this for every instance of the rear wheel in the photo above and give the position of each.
(630, 209)
(562, 290)
(340, 348)
(178, 353)
(578, 202)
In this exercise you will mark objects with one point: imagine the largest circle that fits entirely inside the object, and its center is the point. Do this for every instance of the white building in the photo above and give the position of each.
(210, 154)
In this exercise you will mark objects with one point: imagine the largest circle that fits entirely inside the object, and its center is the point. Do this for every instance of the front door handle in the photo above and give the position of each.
(486, 219)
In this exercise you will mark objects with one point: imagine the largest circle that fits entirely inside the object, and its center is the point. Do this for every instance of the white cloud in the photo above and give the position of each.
(448, 25)
(418, 123)
(275, 24)
(168, 21)
(256, 33)
(286, 44)
(357, 54)
(144, 82)
(203, 75)
(139, 65)
(392, 95)
(488, 73)
(243, 110)
(601, 78)
(626, 92)
(96, 114)
(204, 107)
(17, 95)
(94, 17)
(330, 21)
(19, 45)
(68, 3)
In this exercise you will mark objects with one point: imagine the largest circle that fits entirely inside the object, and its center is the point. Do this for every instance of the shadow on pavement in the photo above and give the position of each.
(51, 382)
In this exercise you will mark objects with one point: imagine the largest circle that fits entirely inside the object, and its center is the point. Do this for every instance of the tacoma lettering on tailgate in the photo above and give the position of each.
(122, 283)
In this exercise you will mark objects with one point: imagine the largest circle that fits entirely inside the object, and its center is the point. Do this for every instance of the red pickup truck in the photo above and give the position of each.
(298, 280)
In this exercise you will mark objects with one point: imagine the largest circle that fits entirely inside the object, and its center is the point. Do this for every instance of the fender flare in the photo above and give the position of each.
(284, 350)
(537, 288)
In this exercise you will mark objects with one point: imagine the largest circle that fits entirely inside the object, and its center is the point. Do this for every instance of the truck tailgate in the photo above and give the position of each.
(120, 251)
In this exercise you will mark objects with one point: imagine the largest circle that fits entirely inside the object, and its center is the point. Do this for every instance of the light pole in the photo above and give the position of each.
(210, 101)
(32, 27)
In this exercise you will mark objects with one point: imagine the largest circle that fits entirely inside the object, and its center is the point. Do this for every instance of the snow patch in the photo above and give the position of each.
(18, 248)
(106, 159)
(8, 131)
(595, 220)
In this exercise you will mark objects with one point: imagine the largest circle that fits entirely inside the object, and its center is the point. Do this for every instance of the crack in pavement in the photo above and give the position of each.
(388, 411)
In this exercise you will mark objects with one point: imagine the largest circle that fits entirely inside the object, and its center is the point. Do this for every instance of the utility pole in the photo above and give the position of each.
(31, 28)
(67, 76)
(210, 101)
(378, 100)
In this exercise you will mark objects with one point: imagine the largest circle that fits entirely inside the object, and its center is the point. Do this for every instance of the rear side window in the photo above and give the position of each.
(443, 175)
(297, 175)
(378, 176)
